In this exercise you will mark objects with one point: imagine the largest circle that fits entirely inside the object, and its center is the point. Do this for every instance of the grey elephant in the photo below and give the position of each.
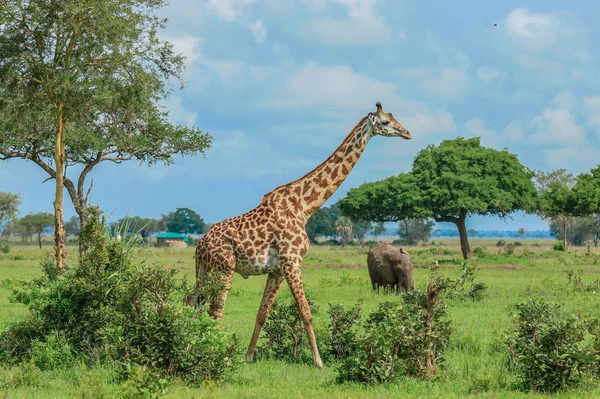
(390, 267)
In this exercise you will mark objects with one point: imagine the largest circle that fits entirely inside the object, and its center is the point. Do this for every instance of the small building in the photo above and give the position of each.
(172, 240)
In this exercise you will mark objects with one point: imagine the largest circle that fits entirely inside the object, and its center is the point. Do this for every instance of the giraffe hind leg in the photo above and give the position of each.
(293, 277)
(271, 289)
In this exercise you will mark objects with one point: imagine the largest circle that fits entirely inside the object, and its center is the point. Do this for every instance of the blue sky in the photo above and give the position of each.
(279, 84)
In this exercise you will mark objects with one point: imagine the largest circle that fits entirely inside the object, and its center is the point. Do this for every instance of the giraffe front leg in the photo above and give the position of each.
(273, 284)
(294, 279)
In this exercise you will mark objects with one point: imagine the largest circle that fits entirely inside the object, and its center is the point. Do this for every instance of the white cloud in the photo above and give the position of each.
(363, 25)
(488, 75)
(555, 44)
(557, 125)
(451, 83)
(338, 90)
(178, 113)
(229, 10)
(522, 22)
(477, 128)
(579, 159)
(592, 105)
(258, 30)
(513, 132)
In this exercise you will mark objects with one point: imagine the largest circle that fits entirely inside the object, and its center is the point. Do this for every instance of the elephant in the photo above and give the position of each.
(390, 267)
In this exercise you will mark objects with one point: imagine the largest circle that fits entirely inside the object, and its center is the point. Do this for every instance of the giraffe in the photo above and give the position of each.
(271, 238)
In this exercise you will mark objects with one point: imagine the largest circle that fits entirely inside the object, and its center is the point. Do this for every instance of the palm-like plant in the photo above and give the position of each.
(343, 229)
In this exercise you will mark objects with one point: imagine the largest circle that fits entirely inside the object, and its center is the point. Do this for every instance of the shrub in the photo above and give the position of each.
(464, 287)
(407, 337)
(5, 248)
(480, 252)
(285, 334)
(518, 244)
(559, 246)
(509, 249)
(500, 243)
(545, 348)
(343, 330)
(141, 382)
(576, 283)
(110, 308)
(52, 351)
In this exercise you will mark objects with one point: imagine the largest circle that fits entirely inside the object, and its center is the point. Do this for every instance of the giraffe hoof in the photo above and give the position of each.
(319, 363)
(250, 358)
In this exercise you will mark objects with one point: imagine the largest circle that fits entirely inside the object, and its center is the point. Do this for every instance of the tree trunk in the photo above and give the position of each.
(564, 222)
(40, 240)
(464, 239)
(59, 162)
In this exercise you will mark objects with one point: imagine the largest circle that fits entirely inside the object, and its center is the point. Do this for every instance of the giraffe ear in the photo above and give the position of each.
(378, 105)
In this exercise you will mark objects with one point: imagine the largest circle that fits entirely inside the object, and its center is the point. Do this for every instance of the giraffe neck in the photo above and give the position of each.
(312, 190)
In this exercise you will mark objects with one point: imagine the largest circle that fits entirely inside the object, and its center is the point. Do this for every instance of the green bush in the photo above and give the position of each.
(343, 330)
(480, 252)
(5, 248)
(547, 349)
(500, 243)
(518, 244)
(509, 249)
(52, 351)
(109, 308)
(398, 341)
(285, 333)
(559, 246)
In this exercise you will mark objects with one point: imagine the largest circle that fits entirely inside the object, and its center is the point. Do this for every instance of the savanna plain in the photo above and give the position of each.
(475, 362)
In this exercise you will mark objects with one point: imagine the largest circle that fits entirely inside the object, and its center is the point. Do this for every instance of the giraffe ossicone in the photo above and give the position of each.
(271, 238)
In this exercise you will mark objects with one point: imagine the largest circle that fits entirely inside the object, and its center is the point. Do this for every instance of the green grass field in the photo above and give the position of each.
(475, 364)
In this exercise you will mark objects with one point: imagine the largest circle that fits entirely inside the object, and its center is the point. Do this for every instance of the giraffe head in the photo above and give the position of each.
(384, 124)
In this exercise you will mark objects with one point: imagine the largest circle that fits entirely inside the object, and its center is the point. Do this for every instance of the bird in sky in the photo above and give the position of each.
(495, 24)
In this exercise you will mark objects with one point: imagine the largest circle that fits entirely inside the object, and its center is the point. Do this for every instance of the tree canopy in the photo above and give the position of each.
(9, 206)
(555, 197)
(184, 221)
(36, 223)
(448, 182)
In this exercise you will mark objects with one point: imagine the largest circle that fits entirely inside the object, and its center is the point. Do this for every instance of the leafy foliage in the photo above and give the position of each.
(111, 309)
(284, 333)
(321, 224)
(447, 183)
(36, 223)
(184, 221)
(100, 71)
(73, 226)
(547, 349)
(411, 231)
(405, 337)
(9, 205)
(343, 330)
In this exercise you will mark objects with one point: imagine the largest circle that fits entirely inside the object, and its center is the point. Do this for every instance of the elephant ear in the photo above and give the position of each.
(384, 259)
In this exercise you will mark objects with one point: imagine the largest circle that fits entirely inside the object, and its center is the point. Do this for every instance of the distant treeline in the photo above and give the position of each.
(441, 233)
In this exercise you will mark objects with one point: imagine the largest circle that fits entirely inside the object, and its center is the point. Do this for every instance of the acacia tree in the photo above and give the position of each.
(184, 221)
(9, 206)
(411, 231)
(585, 200)
(554, 197)
(36, 223)
(80, 84)
(448, 183)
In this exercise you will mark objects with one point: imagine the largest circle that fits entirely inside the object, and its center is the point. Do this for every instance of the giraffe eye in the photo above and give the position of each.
(385, 122)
